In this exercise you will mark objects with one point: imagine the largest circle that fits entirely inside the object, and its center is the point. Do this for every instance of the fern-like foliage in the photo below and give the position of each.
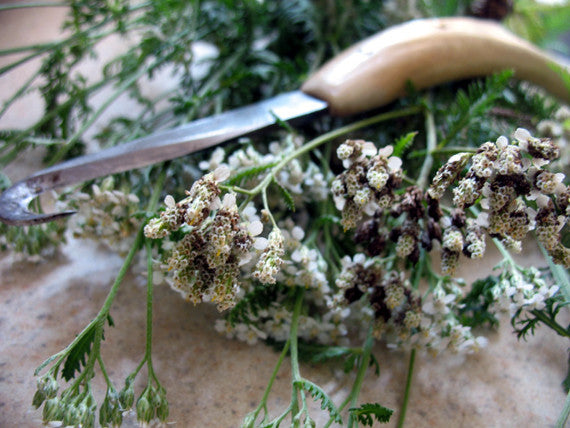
(316, 353)
(82, 349)
(546, 316)
(285, 195)
(259, 298)
(475, 305)
(366, 413)
(319, 395)
(474, 103)
(403, 143)
(249, 173)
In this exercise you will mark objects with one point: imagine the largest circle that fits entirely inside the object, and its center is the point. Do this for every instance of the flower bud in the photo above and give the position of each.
(249, 420)
(162, 410)
(71, 415)
(309, 423)
(110, 411)
(145, 412)
(51, 411)
(127, 395)
(39, 398)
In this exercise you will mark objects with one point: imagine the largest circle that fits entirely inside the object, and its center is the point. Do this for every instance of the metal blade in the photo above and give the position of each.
(158, 147)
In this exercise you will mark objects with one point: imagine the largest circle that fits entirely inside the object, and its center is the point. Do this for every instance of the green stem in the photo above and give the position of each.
(418, 271)
(21, 140)
(266, 207)
(99, 320)
(404, 407)
(124, 269)
(311, 145)
(551, 323)
(363, 367)
(104, 372)
(18, 93)
(40, 49)
(263, 403)
(561, 422)
(431, 143)
(277, 421)
(149, 298)
(504, 252)
(293, 339)
(104, 311)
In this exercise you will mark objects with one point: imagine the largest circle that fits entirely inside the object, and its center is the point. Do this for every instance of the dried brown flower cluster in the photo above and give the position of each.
(397, 308)
(506, 180)
(517, 194)
(368, 183)
(205, 261)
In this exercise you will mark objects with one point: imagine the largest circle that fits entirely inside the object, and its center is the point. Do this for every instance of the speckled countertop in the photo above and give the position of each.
(214, 382)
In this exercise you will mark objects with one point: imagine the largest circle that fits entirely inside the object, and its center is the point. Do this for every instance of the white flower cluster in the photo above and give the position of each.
(205, 262)
(368, 182)
(275, 323)
(303, 179)
(303, 266)
(400, 317)
(558, 129)
(508, 180)
(106, 215)
(521, 291)
(440, 328)
(202, 198)
(271, 258)
(396, 308)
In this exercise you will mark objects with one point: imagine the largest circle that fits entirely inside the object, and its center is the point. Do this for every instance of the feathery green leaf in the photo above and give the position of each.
(366, 413)
(318, 394)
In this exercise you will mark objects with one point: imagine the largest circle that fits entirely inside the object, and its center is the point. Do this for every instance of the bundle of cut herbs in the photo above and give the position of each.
(320, 238)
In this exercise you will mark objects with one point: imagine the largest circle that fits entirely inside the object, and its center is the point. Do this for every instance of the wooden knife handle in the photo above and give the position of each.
(428, 52)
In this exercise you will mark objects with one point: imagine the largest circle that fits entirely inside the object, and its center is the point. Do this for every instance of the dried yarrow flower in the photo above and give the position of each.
(367, 183)
(507, 178)
(202, 197)
(271, 259)
(205, 262)
(397, 309)
(447, 174)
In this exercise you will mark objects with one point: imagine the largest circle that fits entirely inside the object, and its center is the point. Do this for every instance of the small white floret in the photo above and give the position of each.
(222, 173)
(255, 228)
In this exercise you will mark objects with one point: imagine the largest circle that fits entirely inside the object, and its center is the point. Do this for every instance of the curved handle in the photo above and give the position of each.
(427, 52)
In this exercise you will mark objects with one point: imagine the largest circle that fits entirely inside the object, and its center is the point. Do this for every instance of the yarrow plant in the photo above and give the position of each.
(319, 240)
(397, 227)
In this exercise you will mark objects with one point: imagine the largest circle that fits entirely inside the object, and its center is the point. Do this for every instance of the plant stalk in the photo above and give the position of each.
(404, 408)
(363, 367)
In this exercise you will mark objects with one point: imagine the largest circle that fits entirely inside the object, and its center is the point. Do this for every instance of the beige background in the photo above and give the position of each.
(214, 382)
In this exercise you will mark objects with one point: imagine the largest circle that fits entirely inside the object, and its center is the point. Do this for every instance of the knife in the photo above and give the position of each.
(368, 75)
